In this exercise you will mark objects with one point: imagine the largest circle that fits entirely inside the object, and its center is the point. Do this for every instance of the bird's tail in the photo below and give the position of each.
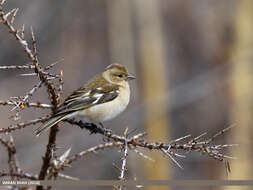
(50, 123)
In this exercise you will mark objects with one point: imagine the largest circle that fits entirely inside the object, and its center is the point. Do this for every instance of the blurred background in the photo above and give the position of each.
(193, 63)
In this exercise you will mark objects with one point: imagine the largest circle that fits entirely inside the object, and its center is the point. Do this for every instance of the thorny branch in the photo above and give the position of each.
(26, 104)
(64, 161)
(52, 164)
(124, 160)
(53, 94)
(203, 147)
(23, 125)
(12, 158)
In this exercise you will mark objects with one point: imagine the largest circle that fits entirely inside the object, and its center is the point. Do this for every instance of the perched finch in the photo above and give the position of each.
(102, 98)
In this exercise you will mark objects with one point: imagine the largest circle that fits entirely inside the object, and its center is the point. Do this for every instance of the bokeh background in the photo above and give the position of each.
(193, 63)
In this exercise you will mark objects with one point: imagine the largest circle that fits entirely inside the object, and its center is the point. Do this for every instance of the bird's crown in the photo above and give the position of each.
(117, 66)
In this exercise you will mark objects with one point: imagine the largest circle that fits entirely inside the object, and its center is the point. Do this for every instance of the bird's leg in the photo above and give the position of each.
(86, 125)
(108, 131)
(93, 128)
(104, 138)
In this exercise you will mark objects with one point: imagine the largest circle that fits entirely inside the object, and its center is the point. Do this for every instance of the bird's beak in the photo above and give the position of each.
(130, 77)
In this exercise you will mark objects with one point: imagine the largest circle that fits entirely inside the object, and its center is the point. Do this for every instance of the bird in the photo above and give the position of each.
(102, 98)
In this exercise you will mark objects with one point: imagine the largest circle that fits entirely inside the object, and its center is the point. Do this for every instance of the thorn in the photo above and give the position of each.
(125, 132)
(131, 131)
(53, 64)
(116, 166)
(23, 32)
(143, 155)
(220, 133)
(28, 74)
(33, 36)
(179, 155)
(140, 135)
(65, 155)
(14, 15)
(179, 139)
(9, 13)
(200, 136)
(68, 177)
(173, 159)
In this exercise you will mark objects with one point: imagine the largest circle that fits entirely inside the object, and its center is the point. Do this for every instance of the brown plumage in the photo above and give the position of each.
(101, 98)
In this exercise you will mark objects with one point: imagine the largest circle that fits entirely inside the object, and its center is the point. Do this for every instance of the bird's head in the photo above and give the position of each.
(117, 74)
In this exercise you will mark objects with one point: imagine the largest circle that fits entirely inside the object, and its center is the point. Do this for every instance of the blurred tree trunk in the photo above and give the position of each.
(242, 94)
(121, 33)
(154, 80)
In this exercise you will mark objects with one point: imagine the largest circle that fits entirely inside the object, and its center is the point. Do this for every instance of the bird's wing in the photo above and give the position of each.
(82, 98)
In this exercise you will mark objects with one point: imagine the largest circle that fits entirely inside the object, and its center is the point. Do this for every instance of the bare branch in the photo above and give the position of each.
(12, 159)
(124, 160)
(17, 67)
(34, 46)
(71, 159)
(26, 104)
(23, 125)
(202, 147)
(123, 167)
(29, 94)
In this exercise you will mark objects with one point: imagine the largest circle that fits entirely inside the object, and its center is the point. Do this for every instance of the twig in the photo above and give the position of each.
(29, 94)
(14, 16)
(68, 177)
(31, 56)
(124, 160)
(12, 159)
(26, 104)
(168, 154)
(53, 64)
(219, 133)
(23, 125)
(71, 159)
(54, 98)
(180, 139)
(17, 67)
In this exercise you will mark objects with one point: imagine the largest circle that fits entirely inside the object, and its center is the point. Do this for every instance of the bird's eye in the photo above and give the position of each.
(120, 76)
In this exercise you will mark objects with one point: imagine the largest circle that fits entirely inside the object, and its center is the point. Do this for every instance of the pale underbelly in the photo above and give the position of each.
(106, 111)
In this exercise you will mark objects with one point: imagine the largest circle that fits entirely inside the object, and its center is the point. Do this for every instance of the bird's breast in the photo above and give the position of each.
(109, 110)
